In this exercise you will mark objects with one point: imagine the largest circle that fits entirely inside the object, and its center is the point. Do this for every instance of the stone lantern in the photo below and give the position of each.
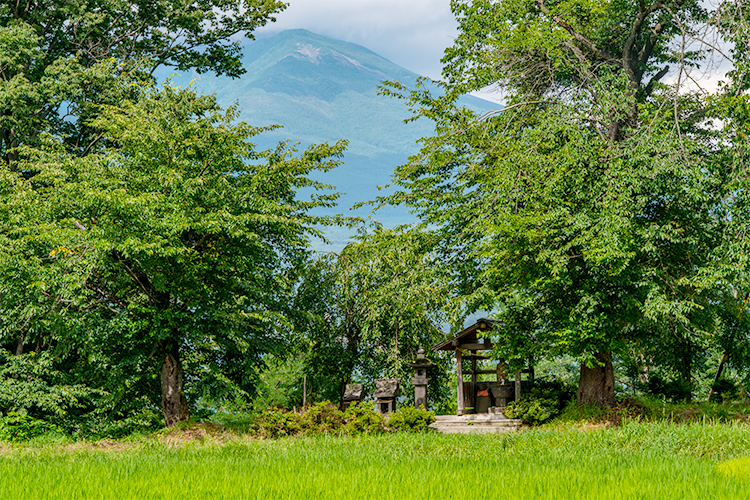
(420, 365)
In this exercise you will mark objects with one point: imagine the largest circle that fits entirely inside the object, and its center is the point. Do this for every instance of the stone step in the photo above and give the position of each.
(504, 423)
(476, 423)
(473, 429)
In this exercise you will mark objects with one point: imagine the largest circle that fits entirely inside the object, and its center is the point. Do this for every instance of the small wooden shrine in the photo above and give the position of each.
(475, 396)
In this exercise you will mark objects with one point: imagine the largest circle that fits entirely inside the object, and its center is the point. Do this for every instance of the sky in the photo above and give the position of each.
(410, 33)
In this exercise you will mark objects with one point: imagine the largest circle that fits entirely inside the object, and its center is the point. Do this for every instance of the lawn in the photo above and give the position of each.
(633, 461)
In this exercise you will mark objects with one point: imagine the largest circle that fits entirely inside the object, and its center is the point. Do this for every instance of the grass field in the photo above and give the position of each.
(634, 461)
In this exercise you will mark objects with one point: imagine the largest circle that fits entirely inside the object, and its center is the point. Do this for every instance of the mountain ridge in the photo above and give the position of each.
(321, 90)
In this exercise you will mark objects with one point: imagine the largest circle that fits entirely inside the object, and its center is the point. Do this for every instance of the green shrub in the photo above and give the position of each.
(544, 400)
(19, 427)
(532, 411)
(724, 390)
(322, 417)
(410, 419)
(361, 418)
(278, 423)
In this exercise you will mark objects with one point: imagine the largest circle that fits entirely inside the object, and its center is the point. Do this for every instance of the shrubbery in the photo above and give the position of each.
(324, 418)
(545, 400)
(19, 427)
(410, 419)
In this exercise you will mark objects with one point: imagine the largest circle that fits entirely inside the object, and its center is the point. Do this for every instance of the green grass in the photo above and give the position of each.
(634, 461)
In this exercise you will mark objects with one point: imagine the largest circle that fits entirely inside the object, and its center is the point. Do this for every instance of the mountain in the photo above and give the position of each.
(323, 90)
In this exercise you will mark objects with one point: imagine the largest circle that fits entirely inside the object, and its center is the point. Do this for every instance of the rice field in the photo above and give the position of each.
(634, 461)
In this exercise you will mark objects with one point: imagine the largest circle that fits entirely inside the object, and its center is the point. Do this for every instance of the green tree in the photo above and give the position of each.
(586, 209)
(369, 309)
(47, 46)
(180, 243)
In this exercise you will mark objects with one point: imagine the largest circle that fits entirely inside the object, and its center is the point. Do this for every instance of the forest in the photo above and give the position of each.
(156, 266)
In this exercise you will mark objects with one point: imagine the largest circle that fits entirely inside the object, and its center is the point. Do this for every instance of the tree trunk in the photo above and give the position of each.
(19, 345)
(173, 401)
(597, 385)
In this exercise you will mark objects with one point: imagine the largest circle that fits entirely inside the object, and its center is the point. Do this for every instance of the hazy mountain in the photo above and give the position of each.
(322, 89)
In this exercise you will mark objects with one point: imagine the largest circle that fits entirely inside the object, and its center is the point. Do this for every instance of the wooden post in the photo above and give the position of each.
(474, 380)
(518, 386)
(460, 383)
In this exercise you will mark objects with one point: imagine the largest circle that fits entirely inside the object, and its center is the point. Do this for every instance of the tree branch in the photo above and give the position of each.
(588, 44)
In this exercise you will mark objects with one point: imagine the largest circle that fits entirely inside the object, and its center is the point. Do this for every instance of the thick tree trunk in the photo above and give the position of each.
(173, 401)
(597, 385)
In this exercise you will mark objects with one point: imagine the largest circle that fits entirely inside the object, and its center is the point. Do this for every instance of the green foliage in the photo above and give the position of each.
(672, 390)
(584, 214)
(181, 249)
(725, 390)
(31, 383)
(326, 418)
(533, 411)
(361, 418)
(278, 423)
(542, 402)
(410, 419)
(279, 384)
(322, 418)
(368, 311)
(20, 427)
(53, 80)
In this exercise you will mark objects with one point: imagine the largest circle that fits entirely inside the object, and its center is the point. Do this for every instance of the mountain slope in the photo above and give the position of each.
(323, 90)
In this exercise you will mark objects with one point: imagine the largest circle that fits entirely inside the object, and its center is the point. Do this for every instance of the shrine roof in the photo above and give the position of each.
(468, 336)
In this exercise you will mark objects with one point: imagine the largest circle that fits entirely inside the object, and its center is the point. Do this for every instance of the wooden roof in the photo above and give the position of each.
(468, 338)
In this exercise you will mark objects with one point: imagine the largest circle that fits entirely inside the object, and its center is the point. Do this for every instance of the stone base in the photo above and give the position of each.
(486, 423)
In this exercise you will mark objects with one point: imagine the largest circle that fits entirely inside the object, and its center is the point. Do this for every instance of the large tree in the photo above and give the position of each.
(179, 244)
(584, 211)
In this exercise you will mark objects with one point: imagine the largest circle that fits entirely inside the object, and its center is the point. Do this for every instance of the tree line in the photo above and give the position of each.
(152, 258)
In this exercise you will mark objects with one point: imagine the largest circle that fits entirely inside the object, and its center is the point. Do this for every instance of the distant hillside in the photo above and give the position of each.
(321, 90)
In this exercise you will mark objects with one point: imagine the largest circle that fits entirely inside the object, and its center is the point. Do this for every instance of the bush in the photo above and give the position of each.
(724, 390)
(410, 419)
(544, 400)
(670, 390)
(322, 417)
(278, 423)
(18, 427)
(361, 418)
(532, 411)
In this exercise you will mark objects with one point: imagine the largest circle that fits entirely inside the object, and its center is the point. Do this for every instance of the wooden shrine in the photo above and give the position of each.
(475, 396)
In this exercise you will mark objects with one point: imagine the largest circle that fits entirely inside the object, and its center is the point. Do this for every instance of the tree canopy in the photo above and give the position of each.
(178, 246)
(589, 206)
(49, 74)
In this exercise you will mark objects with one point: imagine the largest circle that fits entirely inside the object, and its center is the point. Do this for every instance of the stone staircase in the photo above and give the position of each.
(481, 423)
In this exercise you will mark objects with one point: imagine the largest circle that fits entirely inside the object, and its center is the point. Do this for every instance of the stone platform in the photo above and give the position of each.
(481, 423)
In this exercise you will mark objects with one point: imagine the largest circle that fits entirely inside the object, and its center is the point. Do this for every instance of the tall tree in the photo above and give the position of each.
(180, 242)
(367, 310)
(587, 201)
(47, 45)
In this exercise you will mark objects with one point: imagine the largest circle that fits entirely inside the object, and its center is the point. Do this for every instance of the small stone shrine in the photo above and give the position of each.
(420, 365)
(352, 393)
(386, 392)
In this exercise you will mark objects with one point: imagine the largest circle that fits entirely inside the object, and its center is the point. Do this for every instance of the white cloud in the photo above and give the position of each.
(411, 33)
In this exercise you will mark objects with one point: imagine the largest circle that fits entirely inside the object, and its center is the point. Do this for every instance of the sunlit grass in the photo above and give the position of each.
(655, 460)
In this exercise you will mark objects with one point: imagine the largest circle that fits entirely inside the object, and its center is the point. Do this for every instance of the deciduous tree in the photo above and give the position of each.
(180, 242)
(589, 201)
